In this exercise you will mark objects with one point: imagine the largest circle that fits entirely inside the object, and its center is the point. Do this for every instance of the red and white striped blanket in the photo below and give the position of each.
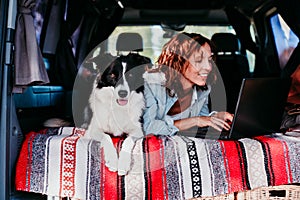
(60, 162)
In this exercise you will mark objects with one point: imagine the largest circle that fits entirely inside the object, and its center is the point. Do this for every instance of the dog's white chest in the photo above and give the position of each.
(112, 118)
(119, 122)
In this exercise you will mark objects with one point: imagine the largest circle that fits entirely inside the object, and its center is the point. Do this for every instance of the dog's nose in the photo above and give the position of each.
(122, 93)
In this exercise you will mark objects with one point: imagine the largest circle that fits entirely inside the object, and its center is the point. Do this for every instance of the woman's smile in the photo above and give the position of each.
(200, 66)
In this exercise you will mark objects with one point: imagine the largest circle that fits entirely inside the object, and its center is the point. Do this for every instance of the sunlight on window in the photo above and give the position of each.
(285, 39)
(251, 60)
(153, 39)
(250, 55)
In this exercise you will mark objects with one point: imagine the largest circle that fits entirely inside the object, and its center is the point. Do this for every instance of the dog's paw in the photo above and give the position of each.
(124, 163)
(111, 160)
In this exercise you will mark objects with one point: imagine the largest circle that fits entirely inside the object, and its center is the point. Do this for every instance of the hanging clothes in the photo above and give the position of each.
(80, 34)
(29, 65)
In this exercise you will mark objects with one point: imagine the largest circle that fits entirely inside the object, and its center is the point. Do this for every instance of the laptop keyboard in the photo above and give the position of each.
(205, 133)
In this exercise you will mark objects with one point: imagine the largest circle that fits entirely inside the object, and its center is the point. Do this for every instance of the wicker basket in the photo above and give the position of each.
(282, 192)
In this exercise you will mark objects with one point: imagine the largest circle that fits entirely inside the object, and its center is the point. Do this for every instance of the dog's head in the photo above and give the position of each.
(125, 76)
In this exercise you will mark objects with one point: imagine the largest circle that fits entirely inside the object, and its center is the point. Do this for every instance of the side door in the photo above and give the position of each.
(10, 134)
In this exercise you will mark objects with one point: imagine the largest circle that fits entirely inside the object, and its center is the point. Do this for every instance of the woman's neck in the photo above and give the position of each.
(187, 85)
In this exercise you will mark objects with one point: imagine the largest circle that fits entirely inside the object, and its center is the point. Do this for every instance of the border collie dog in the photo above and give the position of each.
(117, 104)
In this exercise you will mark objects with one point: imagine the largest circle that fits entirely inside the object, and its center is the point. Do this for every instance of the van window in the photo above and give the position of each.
(153, 37)
(39, 12)
(285, 39)
(250, 55)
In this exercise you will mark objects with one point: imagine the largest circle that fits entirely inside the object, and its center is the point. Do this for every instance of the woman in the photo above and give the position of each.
(177, 90)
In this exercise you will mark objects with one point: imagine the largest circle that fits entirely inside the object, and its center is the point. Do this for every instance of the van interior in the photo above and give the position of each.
(76, 39)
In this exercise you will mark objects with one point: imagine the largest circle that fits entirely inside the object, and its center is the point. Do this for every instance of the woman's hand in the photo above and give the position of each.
(218, 121)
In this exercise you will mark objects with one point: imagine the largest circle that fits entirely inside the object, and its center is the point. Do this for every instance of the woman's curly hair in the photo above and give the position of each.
(173, 60)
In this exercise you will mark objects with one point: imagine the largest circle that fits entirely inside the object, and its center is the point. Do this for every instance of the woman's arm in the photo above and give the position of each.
(217, 120)
(201, 121)
(155, 122)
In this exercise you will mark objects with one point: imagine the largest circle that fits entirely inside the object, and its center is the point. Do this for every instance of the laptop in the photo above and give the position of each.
(258, 111)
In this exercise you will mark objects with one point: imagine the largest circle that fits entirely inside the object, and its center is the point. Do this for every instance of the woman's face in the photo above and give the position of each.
(200, 65)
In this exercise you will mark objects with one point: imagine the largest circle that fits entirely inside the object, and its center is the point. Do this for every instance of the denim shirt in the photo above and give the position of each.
(158, 104)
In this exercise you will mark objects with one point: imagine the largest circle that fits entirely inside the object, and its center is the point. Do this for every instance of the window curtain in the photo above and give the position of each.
(29, 65)
(86, 25)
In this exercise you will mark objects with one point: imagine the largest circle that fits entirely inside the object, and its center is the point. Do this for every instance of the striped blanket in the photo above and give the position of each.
(60, 162)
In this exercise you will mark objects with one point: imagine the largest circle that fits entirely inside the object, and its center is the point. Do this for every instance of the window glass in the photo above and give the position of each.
(39, 12)
(153, 37)
(250, 55)
(285, 39)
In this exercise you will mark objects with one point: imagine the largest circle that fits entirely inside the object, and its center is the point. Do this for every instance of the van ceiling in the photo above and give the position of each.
(175, 4)
(245, 5)
(148, 16)
(185, 11)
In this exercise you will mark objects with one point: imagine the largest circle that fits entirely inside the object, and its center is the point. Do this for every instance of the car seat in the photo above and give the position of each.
(232, 63)
(129, 42)
(133, 43)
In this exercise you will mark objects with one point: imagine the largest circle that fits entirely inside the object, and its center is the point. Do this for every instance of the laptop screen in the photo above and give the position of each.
(260, 107)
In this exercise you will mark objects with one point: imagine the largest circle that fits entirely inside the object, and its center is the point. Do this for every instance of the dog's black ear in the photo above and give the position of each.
(100, 84)
(98, 81)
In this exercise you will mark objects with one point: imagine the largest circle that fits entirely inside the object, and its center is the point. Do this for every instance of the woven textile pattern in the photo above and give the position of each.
(60, 162)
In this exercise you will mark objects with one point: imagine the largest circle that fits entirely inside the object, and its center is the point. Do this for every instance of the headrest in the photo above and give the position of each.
(226, 42)
(129, 42)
